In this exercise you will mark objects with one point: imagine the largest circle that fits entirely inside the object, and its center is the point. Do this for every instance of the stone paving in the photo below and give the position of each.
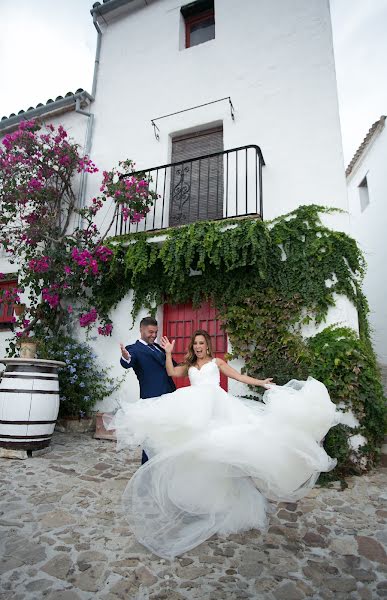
(63, 537)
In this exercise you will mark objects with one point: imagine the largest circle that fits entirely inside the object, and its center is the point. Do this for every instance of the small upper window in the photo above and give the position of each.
(363, 194)
(199, 19)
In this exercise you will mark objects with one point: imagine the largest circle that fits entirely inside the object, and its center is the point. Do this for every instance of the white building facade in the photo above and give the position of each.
(176, 81)
(273, 59)
(367, 193)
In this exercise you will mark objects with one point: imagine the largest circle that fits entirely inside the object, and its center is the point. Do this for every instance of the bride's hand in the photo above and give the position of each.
(167, 345)
(267, 383)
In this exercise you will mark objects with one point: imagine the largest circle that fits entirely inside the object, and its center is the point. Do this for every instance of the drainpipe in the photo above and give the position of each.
(97, 54)
(89, 135)
(90, 115)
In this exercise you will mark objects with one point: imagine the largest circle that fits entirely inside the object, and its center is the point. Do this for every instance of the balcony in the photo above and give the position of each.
(212, 187)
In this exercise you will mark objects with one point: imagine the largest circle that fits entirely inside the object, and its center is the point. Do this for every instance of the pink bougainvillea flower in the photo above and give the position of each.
(106, 329)
(51, 297)
(88, 318)
(103, 253)
(39, 265)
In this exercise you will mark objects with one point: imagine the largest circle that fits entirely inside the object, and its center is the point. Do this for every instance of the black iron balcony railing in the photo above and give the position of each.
(210, 187)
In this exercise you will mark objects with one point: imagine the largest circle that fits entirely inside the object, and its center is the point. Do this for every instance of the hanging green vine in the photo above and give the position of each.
(267, 280)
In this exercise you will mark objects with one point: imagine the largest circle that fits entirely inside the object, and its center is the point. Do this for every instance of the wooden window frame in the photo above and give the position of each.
(9, 283)
(194, 20)
(199, 133)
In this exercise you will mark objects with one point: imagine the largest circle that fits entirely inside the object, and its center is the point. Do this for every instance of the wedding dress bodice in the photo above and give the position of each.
(208, 375)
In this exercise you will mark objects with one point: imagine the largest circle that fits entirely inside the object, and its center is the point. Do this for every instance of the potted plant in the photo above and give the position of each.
(27, 346)
(19, 309)
(82, 381)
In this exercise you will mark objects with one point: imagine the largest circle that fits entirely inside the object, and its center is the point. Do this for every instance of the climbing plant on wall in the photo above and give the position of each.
(268, 280)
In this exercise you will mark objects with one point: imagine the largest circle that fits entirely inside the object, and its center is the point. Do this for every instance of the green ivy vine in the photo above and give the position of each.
(268, 279)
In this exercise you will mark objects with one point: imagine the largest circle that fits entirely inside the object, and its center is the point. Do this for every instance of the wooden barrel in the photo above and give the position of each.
(29, 402)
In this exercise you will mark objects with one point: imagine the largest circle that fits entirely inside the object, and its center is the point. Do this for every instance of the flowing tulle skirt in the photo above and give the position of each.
(216, 460)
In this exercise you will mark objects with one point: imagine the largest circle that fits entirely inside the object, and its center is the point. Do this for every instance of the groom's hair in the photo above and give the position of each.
(148, 321)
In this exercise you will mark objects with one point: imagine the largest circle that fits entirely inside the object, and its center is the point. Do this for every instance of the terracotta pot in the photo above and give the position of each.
(19, 309)
(100, 432)
(27, 348)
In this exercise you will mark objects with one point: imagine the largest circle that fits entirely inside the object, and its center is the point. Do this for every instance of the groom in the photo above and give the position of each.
(148, 362)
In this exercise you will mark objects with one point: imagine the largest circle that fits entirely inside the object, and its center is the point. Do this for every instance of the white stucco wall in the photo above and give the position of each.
(273, 57)
(369, 229)
(275, 60)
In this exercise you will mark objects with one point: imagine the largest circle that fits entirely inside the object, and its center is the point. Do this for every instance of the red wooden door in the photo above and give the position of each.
(181, 320)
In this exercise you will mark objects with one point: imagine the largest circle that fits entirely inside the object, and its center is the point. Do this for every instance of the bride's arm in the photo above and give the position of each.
(171, 369)
(233, 374)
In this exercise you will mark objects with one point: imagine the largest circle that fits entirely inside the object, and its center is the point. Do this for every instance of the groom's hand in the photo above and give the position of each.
(124, 352)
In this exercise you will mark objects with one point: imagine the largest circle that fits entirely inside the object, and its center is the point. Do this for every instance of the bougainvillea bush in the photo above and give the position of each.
(55, 242)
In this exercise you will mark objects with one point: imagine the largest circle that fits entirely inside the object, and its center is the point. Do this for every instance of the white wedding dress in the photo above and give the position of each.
(215, 460)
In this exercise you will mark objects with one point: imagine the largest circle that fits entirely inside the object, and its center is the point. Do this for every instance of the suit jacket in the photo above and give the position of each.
(149, 366)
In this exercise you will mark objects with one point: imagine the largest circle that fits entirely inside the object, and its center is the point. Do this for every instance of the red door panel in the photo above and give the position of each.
(181, 320)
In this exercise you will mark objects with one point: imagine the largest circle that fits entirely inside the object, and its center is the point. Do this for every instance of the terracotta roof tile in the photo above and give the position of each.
(376, 127)
(40, 104)
(60, 103)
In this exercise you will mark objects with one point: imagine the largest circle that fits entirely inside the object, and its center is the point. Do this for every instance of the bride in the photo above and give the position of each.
(215, 459)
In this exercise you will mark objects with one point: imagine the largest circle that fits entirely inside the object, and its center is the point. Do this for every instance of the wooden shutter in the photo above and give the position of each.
(197, 185)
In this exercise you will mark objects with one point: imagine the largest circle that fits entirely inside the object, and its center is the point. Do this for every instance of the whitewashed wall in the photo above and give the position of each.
(369, 228)
(275, 60)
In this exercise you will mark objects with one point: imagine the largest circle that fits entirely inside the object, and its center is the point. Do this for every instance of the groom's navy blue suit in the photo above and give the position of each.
(148, 363)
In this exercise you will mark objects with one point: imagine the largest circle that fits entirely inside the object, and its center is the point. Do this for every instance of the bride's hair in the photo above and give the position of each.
(190, 357)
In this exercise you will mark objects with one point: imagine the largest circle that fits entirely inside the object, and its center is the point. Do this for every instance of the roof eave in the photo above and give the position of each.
(99, 10)
(57, 106)
(366, 144)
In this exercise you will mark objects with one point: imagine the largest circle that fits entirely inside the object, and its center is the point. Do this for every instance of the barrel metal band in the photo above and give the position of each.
(27, 422)
(26, 437)
(10, 391)
(49, 377)
(30, 369)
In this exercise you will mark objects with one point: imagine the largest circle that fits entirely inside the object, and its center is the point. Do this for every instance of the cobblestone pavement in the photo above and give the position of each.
(63, 538)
